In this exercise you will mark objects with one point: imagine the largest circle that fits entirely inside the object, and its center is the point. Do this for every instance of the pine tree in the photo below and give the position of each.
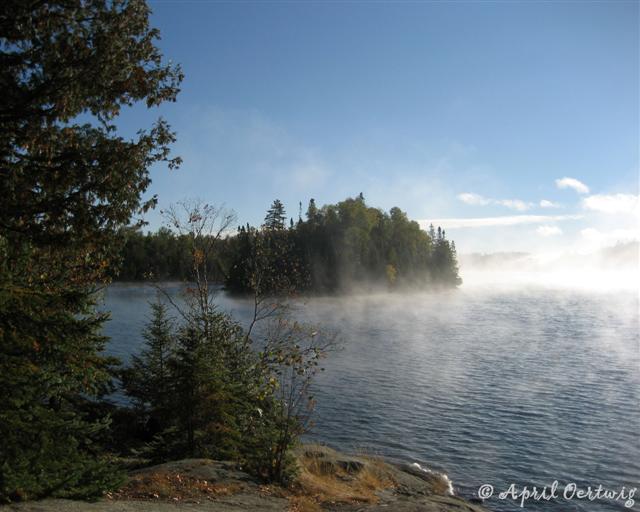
(67, 190)
(312, 211)
(276, 216)
(213, 388)
(148, 380)
(432, 233)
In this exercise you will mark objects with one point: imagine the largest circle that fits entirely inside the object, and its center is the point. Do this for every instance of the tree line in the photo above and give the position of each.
(330, 249)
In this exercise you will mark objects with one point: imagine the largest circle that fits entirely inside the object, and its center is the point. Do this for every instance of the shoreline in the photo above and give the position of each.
(327, 480)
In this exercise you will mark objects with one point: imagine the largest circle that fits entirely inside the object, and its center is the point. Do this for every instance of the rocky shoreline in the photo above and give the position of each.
(327, 481)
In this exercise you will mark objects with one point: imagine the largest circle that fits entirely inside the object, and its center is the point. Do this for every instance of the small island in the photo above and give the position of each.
(332, 249)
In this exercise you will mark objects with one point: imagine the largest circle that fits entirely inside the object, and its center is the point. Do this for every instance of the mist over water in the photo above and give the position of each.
(490, 387)
(492, 384)
(602, 271)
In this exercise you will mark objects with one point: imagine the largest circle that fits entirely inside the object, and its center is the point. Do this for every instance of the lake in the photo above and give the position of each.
(488, 385)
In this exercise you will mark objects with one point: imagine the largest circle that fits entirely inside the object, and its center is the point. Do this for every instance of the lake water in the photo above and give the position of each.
(490, 386)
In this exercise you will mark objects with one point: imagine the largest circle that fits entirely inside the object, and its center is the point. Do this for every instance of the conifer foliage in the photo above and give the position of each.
(68, 184)
(276, 216)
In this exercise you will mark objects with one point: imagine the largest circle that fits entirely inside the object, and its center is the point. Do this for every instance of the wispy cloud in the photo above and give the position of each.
(613, 203)
(572, 183)
(514, 204)
(545, 203)
(474, 199)
(548, 230)
(478, 200)
(507, 220)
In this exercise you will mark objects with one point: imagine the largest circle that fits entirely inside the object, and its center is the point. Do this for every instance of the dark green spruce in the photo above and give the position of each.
(68, 186)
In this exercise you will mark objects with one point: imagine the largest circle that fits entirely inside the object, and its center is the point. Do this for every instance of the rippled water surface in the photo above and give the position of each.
(494, 387)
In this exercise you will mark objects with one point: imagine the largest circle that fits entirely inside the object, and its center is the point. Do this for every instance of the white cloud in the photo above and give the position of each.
(573, 183)
(514, 204)
(613, 203)
(548, 230)
(508, 220)
(478, 200)
(471, 198)
(544, 203)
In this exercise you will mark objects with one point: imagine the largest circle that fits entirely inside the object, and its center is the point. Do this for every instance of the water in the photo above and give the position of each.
(489, 386)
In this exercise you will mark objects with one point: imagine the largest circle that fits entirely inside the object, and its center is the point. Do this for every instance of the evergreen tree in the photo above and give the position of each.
(215, 389)
(432, 233)
(67, 190)
(312, 211)
(148, 380)
(276, 216)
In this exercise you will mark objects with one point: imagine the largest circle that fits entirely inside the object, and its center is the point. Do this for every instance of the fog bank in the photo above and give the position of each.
(611, 268)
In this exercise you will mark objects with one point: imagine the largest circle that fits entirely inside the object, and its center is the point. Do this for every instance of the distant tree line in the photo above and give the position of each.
(331, 249)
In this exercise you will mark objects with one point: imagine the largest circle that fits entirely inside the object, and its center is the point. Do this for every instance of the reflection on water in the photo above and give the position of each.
(496, 387)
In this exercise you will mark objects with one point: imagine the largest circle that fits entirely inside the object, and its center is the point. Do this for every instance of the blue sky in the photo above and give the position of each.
(449, 110)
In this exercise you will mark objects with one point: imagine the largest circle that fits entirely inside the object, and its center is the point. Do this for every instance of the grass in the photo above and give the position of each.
(326, 477)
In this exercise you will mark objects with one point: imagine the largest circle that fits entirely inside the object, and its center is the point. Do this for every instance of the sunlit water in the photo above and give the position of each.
(489, 386)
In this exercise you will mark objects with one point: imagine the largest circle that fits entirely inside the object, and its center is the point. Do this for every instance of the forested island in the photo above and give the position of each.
(328, 249)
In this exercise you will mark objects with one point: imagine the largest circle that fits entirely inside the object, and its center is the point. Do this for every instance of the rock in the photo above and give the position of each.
(202, 485)
(238, 503)
(202, 469)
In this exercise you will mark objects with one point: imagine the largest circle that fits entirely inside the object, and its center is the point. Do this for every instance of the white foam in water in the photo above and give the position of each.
(442, 476)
